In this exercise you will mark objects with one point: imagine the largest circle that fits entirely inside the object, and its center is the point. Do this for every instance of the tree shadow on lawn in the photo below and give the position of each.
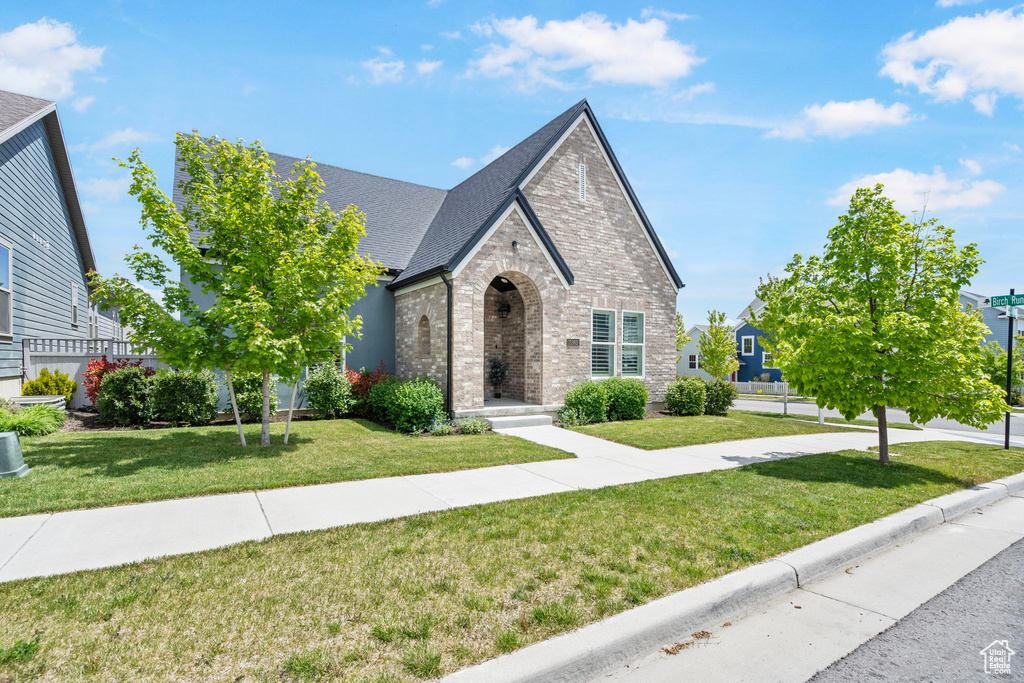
(865, 472)
(122, 454)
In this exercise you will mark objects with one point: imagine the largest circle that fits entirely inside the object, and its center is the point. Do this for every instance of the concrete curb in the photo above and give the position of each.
(588, 652)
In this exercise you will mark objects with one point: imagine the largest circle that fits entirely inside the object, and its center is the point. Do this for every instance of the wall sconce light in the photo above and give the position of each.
(515, 245)
(504, 310)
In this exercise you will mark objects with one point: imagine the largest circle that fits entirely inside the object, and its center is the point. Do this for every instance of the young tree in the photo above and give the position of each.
(280, 265)
(876, 322)
(717, 347)
(681, 338)
(995, 362)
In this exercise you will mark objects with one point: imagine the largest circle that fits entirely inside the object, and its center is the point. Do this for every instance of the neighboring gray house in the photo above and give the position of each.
(994, 317)
(44, 244)
(689, 360)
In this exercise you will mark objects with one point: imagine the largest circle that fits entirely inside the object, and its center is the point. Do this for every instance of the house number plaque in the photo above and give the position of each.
(572, 342)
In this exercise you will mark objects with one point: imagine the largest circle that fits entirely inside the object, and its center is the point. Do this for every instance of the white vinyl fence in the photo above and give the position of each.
(73, 355)
(766, 388)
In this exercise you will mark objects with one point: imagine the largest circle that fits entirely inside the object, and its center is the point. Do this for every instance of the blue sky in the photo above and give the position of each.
(743, 127)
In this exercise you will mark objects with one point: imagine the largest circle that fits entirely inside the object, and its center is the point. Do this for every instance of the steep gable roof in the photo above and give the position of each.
(18, 112)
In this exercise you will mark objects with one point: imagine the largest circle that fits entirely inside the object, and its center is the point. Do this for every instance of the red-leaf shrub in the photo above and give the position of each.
(362, 382)
(98, 367)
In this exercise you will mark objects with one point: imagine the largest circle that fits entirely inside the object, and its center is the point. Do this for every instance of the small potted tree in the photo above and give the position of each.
(497, 374)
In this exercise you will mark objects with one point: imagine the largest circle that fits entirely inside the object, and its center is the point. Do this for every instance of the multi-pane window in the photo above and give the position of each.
(602, 343)
(632, 344)
(766, 359)
(6, 294)
(94, 321)
(74, 303)
(748, 346)
(694, 364)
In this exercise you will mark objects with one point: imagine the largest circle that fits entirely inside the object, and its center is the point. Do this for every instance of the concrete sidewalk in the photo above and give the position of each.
(41, 545)
(796, 635)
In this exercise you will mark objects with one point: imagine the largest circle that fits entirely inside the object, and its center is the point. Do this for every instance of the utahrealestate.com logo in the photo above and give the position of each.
(997, 657)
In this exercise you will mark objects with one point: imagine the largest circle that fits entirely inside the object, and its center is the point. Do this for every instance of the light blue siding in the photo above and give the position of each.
(752, 365)
(997, 327)
(691, 348)
(377, 343)
(34, 220)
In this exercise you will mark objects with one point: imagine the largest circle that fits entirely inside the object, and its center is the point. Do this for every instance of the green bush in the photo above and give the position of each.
(51, 384)
(125, 397)
(249, 394)
(570, 417)
(329, 391)
(381, 398)
(185, 398)
(589, 399)
(442, 427)
(473, 425)
(32, 421)
(411, 405)
(718, 397)
(627, 398)
(686, 396)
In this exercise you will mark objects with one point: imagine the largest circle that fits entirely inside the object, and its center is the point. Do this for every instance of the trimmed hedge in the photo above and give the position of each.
(412, 405)
(589, 401)
(686, 396)
(719, 396)
(329, 391)
(185, 398)
(627, 398)
(124, 397)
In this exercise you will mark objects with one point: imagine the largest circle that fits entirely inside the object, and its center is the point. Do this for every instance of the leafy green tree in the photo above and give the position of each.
(995, 362)
(876, 322)
(681, 338)
(717, 347)
(281, 266)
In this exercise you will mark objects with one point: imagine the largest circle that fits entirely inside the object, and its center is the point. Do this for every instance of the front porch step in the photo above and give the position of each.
(511, 421)
(509, 410)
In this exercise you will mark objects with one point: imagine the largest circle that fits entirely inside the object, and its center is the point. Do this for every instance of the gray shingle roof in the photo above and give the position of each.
(15, 108)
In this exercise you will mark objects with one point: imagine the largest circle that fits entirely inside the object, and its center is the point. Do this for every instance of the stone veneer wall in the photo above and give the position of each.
(505, 338)
(410, 307)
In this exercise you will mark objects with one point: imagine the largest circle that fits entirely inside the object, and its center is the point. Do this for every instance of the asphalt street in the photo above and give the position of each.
(799, 408)
(942, 640)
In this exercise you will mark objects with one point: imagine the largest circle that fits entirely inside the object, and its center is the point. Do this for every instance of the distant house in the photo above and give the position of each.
(44, 245)
(994, 317)
(689, 361)
(754, 359)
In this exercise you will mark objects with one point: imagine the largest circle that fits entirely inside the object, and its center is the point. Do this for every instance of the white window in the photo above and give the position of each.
(74, 304)
(632, 344)
(602, 343)
(748, 346)
(94, 321)
(694, 363)
(766, 360)
(6, 293)
(583, 181)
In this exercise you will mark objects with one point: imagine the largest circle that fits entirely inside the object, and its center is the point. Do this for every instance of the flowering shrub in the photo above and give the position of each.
(97, 368)
(362, 381)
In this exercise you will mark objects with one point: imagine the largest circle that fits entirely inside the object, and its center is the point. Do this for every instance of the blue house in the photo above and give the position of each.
(995, 318)
(754, 359)
(44, 245)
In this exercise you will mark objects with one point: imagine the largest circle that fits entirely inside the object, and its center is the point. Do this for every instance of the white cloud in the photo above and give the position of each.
(425, 67)
(122, 138)
(494, 153)
(451, 34)
(384, 72)
(972, 166)
(82, 103)
(434, 3)
(384, 51)
(106, 190)
(955, 3)
(634, 53)
(41, 59)
(843, 119)
(981, 57)
(694, 90)
(649, 12)
(464, 162)
(911, 190)
(426, 48)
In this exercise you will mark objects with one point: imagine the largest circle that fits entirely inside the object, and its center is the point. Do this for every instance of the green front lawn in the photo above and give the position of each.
(833, 420)
(89, 469)
(668, 432)
(413, 598)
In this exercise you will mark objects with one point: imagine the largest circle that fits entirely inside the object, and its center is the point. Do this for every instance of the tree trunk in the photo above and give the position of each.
(234, 407)
(265, 432)
(883, 435)
(291, 408)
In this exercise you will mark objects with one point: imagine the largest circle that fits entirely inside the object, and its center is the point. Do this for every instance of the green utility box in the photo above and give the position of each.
(12, 463)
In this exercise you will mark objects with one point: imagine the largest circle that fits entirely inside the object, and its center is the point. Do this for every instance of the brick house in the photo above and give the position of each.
(544, 258)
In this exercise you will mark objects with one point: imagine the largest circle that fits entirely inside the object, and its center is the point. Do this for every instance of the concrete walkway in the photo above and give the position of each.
(41, 545)
(802, 632)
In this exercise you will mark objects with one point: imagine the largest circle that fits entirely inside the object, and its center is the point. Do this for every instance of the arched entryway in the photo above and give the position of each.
(512, 334)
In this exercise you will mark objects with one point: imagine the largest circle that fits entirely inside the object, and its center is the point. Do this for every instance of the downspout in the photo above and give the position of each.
(448, 365)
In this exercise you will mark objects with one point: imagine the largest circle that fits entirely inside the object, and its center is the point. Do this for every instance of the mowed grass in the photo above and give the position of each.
(414, 598)
(833, 420)
(669, 432)
(89, 469)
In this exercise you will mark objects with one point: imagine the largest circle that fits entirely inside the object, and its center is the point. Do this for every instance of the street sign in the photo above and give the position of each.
(1007, 300)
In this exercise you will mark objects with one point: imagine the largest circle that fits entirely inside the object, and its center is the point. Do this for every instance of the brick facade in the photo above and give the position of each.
(614, 265)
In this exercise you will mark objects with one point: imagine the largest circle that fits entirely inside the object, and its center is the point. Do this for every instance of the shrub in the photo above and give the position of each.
(249, 394)
(329, 391)
(32, 420)
(473, 425)
(185, 398)
(380, 398)
(589, 399)
(442, 427)
(56, 384)
(627, 398)
(686, 396)
(362, 382)
(92, 378)
(570, 417)
(718, 397)
(416, 404)
(124, 397)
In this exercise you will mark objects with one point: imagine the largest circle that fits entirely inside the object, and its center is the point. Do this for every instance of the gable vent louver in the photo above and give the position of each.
(582, 177)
